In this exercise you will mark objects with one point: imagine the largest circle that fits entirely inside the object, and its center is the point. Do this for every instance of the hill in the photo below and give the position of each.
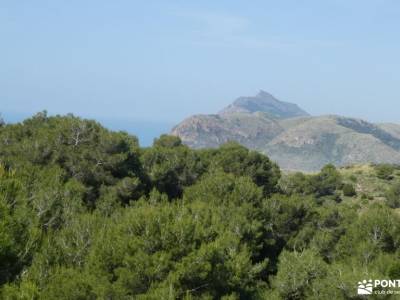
(208, 131)
(291, 137)
(312, 143)
(265, 102)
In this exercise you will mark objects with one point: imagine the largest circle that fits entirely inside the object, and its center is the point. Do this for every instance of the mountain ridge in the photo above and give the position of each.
(264, 102)
(292, 137)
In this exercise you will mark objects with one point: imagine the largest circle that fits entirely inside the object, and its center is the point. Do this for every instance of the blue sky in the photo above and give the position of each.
(162, 61)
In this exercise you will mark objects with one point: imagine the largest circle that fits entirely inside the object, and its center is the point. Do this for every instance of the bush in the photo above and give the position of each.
(327, 181)
(393, 195)
(349, 190)
(235, 159)
(353, 178)
(384, 171)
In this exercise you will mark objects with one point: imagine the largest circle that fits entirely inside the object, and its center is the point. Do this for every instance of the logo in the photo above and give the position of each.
(379, 287)
(365, 287)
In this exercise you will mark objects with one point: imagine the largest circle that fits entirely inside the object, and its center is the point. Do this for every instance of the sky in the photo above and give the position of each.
(162, 61)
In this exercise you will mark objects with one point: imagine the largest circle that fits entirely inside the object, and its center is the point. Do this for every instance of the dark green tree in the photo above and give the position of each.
(393, 195)
(349, 190)
(235, 159)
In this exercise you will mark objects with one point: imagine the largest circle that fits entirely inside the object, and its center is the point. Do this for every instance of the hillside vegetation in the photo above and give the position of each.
(88, 214)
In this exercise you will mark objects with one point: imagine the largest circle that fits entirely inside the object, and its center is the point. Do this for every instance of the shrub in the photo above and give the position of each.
(393, 195)
(349, 190)
(384, 171)
(353, 178)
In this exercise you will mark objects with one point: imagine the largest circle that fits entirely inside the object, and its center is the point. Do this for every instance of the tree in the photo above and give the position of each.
(87, 214)
(375, 232)
(327, 181)
(297, 183)
(384, 171)
(170, 169)
(297, 272)
(167, 141)
(86, 151)
(18, 235)
(66, 284)
(393, 195)
(349, 190)
(235, 159)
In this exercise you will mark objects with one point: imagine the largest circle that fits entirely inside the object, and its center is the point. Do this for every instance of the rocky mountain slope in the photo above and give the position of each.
(264, 102)
(291, 137)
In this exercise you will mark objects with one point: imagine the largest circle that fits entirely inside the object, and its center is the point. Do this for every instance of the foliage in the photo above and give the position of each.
(86, 151)
(324, 184)
(86, 214)
(393, 195)
(171, 166)
(297, 272)
(349, 190)
(235, 159)
(384, 171)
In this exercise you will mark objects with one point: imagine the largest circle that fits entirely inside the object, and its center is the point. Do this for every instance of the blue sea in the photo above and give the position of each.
(145, 131)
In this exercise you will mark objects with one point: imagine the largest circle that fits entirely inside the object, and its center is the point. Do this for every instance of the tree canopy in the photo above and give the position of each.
(86, 213)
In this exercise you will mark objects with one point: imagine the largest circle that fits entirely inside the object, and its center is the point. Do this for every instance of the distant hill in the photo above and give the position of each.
(208, 131)
(310, 144)
(264, 102)
(291, 137)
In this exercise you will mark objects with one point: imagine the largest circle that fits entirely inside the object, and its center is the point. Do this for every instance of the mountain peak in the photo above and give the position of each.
(264, 94)
(266, 124)
(266, 103)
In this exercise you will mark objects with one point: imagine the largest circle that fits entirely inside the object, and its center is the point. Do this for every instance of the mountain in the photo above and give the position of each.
(311, 143)
(264, 102)
(291, 137)
(208, 131)
(393, 129)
